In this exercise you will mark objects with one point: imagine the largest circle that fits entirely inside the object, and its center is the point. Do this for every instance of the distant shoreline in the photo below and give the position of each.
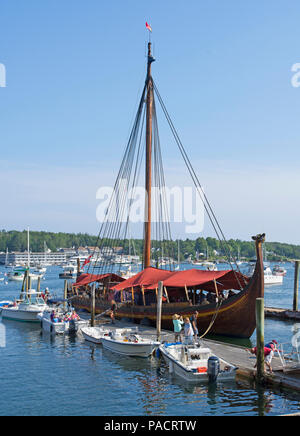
(201, 248)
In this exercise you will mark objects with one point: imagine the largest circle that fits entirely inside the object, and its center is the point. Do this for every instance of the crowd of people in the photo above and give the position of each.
(57, 317)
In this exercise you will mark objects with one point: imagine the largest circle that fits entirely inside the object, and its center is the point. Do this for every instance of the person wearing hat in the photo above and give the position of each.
(177, 323)
(273, 345)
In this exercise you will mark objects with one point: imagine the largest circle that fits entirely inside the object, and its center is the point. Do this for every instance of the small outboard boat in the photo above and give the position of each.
(129, 343)
(196, 364)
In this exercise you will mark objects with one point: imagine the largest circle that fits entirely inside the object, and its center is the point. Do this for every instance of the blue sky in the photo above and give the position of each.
(74, 73)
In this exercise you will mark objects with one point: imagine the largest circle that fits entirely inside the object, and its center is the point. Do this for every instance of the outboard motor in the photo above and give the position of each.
(213, 369)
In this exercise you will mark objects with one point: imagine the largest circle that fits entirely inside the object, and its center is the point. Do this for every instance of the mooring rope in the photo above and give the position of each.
(218, 307)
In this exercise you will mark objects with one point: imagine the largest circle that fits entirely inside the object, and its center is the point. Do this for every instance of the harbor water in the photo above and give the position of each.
(44, 375)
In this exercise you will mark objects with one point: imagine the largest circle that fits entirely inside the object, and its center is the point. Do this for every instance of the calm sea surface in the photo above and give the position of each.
(43, 375)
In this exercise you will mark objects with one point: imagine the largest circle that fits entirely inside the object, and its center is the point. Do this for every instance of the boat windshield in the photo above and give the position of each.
(33, 299)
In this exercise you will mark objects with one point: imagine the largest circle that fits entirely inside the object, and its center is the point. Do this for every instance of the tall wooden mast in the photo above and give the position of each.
(148, 183)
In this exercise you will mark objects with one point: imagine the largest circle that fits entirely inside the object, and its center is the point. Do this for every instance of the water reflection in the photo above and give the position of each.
(109, 384)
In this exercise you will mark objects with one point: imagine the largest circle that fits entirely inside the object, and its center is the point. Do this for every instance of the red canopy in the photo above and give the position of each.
(205, 279)
(144, 279)
(193, 278)
(86, 279)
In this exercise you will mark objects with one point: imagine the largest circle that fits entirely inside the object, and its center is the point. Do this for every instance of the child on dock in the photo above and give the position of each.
(188, 332)
(178, 323)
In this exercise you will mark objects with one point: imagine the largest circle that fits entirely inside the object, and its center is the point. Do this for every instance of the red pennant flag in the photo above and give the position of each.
(88, 260)
(148, 27)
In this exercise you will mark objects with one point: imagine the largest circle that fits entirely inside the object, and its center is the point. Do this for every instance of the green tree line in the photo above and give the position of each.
(17, 241)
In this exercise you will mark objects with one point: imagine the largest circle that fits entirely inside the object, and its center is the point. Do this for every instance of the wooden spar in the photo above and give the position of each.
(186, 293)
(167, 295)
(148, 176)
(216, 288)
(143, 294)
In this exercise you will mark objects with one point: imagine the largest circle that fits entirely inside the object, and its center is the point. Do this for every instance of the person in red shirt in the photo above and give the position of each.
(269, 354)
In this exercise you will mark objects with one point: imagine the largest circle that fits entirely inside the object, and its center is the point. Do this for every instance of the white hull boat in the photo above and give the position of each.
(272, 279)
(129, 344)
(22, 313)
(196, 364)
(27, 309)
(60, 328)
(19, 277)
(269, 277)
(93, 334)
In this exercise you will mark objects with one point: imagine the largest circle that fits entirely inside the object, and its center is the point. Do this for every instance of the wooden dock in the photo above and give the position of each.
(282, 314)
(238, 356)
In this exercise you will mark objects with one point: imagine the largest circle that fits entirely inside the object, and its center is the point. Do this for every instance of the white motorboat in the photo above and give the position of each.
(27, 308)
(129, 344)
(94, 334)
(196, 364)
(59, 322)
(18, 275)
(269, 277)
(69, 272)
(272, 279)
(279, 271)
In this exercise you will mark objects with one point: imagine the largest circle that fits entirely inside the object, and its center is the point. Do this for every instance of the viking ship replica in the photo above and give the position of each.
(137, 296)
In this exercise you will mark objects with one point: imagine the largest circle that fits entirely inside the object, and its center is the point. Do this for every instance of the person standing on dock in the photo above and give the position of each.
(194, 324)
(178, 323)
(113, 311)
(188, 332)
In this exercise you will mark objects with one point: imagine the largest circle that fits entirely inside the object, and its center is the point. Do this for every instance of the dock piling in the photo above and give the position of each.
(93, 308)
(159, 310)
(65, 293)
(296, 286)
(260, 338)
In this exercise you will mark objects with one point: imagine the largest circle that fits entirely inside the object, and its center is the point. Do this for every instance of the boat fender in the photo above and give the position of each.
(213, 369)
(158, 353)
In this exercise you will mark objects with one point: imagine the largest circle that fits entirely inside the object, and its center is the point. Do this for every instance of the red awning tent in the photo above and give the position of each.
(205, 280)
(193, 278)
(86, 279)
(144, 279)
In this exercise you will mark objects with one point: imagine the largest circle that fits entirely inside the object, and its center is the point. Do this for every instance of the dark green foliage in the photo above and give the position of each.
(17, 241)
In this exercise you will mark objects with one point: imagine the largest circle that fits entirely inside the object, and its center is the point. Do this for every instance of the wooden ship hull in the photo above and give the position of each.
(235, 317)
